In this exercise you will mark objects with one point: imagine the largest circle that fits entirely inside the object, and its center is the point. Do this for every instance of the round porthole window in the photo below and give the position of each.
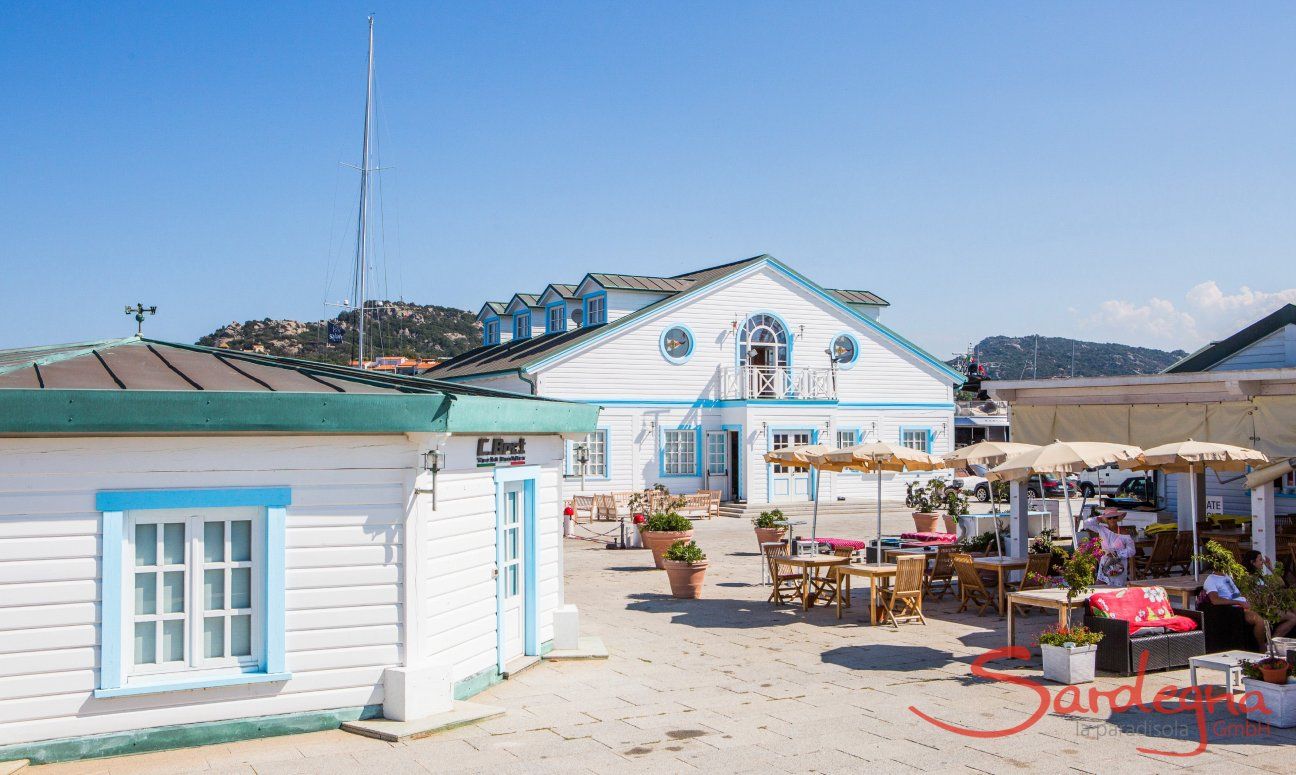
(844, 350)
(677, 344)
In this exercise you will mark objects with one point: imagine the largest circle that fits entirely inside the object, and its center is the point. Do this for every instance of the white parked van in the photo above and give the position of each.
(1106, 480)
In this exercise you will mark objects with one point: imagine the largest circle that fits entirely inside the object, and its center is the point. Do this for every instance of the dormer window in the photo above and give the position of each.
(490, 332)
(596, 309)
(522, 325)
(555, 318)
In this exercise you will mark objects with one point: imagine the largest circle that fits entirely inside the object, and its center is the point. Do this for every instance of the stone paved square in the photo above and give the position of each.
(728, 683)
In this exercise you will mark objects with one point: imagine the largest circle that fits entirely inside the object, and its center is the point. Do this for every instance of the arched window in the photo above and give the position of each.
(764, 342)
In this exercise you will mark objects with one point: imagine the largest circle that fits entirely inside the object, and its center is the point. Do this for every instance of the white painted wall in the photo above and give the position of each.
(345, 583)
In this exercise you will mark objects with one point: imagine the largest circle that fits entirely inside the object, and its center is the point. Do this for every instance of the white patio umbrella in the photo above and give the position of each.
(879, 456)
(988, 454)
(1187, 457)
(1063, 457)
(804, 456)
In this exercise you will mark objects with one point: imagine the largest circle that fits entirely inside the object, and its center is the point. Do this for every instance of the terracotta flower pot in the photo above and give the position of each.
(951, 523)
(769, 535)
(685, 577)
(1273, 675)
(660, 542)
(926, 521)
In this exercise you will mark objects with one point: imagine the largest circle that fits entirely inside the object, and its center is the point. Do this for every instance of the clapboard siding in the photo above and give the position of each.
(344, 582)
(1272, 352)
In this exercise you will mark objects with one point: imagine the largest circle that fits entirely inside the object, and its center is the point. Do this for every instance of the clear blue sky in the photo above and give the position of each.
(987, 168)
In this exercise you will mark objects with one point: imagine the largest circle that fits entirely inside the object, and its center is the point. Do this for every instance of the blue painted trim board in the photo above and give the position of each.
(111, 671)
(585, 309)
(562, 326)
(926, 429)
(715, 403)
(527, 475)
(203, 683)
(131, 500)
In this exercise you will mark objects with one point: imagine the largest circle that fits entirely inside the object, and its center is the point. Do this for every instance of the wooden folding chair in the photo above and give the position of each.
(1157, 563)
(582, 506)
(942, 572)
(783, 583)
(972, 589)
(903, 601)
(1181, 554)
(1037, 568)
(604, 507)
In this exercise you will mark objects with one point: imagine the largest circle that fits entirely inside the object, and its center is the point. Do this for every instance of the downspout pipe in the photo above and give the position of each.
(534, 382)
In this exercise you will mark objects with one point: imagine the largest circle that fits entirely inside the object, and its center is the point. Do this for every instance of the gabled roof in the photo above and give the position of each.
(562, 290)
(1213, 353)
(638, 282)
(859, 297)
(492, 308)
(139, 385)
(530, 300)
(530, 353)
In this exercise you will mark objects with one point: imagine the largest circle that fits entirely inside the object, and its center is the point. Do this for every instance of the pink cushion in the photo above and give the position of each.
(934, 538)
(843, 543)
(1140, 607)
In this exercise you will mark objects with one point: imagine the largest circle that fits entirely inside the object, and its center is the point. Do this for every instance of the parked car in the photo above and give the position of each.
(1137, 493)
(972, 484)
(1040, 485)
(1106, 480)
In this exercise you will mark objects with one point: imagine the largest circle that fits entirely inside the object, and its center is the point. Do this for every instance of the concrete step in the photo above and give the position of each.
(398, 731)
(515, 666)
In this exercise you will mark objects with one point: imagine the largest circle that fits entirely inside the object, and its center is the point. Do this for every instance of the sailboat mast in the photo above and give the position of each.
(362, 240)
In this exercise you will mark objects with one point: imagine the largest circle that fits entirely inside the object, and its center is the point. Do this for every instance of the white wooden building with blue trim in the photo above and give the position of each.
(699, 374)
(192, 538)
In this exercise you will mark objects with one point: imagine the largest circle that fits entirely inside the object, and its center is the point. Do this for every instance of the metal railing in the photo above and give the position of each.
(783, 382)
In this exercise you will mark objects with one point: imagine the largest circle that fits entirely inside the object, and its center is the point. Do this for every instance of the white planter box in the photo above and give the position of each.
(1069, 665)
(1279, 700)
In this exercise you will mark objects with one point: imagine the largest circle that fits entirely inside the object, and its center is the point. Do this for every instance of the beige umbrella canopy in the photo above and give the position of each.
(1189, 457)
(879, 456)
(804, 456)
(1063, 457)
(986, 453)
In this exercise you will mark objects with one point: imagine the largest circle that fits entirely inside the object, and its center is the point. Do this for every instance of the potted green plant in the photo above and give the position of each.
(685, 568)
(925, 498)
(662, 530)
(955, 504)
(770, 527)
(1070, 654)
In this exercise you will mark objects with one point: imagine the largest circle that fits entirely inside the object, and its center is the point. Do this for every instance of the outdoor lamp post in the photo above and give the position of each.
(433, 461)
(582, 459)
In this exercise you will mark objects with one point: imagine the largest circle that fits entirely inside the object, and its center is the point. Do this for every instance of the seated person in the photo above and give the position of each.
(1220, 589)
(1257, 563)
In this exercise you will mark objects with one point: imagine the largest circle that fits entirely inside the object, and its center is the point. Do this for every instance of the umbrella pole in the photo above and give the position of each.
(1066, 496)
(878, 547)
(1192, 507)
(814, 521)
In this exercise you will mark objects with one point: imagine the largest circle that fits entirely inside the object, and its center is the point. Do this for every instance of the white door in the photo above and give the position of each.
(789, 483)
(717, 463)
(512, 569)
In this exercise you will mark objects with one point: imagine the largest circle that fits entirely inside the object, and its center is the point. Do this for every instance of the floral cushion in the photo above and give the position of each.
(1141, 607)
(935, 538)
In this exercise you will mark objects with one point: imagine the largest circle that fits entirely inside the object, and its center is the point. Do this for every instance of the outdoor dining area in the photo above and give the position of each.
(1155, 571)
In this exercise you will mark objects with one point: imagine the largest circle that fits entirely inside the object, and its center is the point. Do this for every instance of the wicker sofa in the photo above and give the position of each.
(1139, 620)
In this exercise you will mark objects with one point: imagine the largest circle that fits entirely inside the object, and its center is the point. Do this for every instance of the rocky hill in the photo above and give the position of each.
(1013, 357)
(398, 328)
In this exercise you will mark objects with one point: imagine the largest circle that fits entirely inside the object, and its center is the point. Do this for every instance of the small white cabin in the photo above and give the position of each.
(191, 538)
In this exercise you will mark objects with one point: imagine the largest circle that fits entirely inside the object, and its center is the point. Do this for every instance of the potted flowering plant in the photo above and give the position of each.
(770, 527)
(662, 530)
(1069, 653)
(685, 568)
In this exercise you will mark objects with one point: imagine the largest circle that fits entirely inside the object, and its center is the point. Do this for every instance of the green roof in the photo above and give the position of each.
(140, 385)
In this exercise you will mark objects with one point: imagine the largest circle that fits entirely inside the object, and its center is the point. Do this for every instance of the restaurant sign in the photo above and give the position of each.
(498, 452)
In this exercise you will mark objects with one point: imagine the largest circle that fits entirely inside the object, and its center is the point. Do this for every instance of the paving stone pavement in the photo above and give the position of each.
(728, 683)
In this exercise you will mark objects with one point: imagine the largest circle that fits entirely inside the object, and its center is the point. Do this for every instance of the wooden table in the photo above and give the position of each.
(1182, 587)
(812, 578)
(1000, 566)
(878, 574)
(890, 554)
(1048, 598)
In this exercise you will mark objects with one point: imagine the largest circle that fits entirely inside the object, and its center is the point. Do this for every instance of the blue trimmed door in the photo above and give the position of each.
(513, 570)
(789, 483)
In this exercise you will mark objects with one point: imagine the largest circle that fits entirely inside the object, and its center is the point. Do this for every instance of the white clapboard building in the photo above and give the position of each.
(699, 374)
(194, 538)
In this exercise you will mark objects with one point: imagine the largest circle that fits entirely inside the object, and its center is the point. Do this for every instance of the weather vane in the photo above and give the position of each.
(139, 311)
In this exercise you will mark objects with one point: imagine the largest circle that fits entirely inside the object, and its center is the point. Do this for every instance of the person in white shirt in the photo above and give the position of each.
(1220, 589)
(1113, 567)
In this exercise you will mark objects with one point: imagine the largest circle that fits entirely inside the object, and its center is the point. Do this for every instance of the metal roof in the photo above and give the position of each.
(146, 385)
(635, 282)
(1215, 352)
(859, 297)
(563, 290)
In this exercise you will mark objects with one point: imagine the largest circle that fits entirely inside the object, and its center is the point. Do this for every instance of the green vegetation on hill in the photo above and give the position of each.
(398, 328)
(1014, 357)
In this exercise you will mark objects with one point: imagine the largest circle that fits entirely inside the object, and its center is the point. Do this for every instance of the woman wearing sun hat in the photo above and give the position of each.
(1118, 548)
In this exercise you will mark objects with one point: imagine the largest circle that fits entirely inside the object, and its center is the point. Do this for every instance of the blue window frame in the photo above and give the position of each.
(522, 325)
(844, 350)
(192, 589)
(916, 437)
(555, 318)
(595, 305)
(490, 331)
(600, 460)
(679, 451)
(676, 343)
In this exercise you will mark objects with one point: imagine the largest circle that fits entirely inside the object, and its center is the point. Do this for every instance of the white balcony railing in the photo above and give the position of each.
(798, 382)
